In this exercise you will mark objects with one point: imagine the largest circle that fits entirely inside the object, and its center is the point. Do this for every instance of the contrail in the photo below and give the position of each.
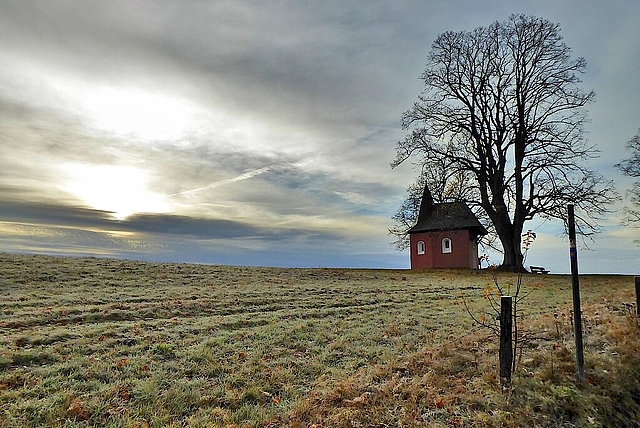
(215, 184)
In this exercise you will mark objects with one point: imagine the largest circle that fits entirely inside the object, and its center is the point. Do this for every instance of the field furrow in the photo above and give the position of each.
(94, 342)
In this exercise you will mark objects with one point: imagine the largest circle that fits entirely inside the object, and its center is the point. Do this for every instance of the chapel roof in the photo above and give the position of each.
(445, 216)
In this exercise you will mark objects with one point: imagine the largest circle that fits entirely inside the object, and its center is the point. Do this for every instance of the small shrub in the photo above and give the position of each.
(163, 349)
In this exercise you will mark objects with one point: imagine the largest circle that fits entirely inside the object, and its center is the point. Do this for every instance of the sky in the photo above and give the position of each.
(259, 133)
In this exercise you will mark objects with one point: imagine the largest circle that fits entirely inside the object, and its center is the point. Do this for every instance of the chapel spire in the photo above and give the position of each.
(426, 204)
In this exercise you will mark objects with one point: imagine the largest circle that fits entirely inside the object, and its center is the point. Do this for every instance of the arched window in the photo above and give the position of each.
(446, 245)
(421, 247)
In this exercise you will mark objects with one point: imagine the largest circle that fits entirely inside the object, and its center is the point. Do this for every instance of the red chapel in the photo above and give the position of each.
(446, 235)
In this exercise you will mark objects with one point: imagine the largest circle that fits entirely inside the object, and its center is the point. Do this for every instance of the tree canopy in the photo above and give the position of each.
(500, 125)
(631, 168)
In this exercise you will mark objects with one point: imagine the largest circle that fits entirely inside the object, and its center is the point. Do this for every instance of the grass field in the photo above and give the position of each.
(95, 342)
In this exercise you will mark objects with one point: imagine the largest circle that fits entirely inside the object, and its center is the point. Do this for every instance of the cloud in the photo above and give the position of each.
(58, 216)
(261, 125)
(53, 229)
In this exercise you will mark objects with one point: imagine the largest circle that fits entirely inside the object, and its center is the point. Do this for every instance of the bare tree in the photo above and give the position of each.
(631, 168)
(502, 108)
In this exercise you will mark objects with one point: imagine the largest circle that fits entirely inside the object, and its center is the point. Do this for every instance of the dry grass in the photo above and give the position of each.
(93, 342)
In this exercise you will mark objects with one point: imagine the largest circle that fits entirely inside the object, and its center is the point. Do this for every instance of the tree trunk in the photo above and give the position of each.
(512, 257)
(510, 234)
(510, 238)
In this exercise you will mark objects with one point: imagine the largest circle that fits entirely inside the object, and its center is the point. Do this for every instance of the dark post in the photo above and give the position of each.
(577, 312)
(506, 344)
(638, 295)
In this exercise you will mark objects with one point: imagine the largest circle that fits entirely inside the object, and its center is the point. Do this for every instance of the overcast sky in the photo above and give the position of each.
(257, 133)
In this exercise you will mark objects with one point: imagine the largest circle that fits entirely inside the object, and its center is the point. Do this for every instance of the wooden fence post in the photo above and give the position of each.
(506, 341)
(575, 282)
(638, 295)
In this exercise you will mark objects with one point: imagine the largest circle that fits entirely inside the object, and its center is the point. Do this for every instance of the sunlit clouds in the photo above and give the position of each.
(131, 112)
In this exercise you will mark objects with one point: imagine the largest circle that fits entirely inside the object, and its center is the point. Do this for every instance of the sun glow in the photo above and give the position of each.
(121, 190)
(138, 112)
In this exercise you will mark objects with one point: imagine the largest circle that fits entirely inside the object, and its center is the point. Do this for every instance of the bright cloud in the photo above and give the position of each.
(135, 112)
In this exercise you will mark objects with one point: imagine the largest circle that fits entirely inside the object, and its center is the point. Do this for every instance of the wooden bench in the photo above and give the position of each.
(538, 270)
